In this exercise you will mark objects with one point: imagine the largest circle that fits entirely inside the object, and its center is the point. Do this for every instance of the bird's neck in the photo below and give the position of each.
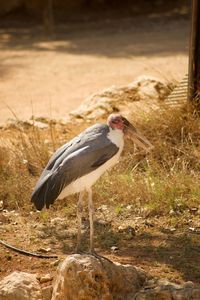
(117, 137)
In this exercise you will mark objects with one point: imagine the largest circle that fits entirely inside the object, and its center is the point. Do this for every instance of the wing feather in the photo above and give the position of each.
(82, 155)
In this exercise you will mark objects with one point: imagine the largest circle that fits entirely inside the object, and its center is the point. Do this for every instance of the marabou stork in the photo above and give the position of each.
(77, 165)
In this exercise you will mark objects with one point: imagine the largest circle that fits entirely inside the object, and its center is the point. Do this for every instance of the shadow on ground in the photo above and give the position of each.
(147, 35)
(177, 254)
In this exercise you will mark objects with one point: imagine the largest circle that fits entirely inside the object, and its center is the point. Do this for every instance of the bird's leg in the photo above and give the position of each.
(91, 218)
(79, 219)
(91, 214)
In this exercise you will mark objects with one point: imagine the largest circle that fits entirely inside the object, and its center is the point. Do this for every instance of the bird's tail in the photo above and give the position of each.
(38, 196)
(46, 191)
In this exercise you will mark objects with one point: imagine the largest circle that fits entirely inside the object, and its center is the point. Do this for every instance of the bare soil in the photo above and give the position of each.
(50, 77)
(164, 247)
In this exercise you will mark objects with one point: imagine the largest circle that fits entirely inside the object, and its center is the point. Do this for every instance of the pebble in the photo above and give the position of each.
(56, 221)
(103, 207)
(45, 278)
(55, 263)
(44, 250)
(114, 248)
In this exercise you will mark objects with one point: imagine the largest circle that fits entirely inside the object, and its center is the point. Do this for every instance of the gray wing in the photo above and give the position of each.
(80, 156)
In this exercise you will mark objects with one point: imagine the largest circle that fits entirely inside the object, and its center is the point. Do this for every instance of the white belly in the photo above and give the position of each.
(86, 181)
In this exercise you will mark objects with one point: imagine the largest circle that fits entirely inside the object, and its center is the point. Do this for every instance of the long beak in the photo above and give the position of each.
(138, 138)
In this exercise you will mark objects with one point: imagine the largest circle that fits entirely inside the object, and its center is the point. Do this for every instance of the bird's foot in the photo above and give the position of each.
(100, 257)
(92, 252)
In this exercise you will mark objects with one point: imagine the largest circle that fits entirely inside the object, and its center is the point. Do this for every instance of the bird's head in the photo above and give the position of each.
(117, 121)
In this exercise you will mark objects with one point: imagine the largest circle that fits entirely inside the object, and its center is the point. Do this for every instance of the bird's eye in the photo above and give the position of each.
(115, 121)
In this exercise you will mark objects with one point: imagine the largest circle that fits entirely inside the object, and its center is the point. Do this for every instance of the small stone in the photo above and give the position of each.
(103, 207)
(44, 250)
(192, 229)
(57, 221)
(168, 230)
(172, 212)
(120, 228)
(55, 263)
(102, 222)
(193, 209)
(114, 248)
(129, 207)
(38, 124)
(45, 278)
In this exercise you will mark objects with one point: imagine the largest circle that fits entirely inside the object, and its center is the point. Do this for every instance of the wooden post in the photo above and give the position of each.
(48, 17)
(194, 54)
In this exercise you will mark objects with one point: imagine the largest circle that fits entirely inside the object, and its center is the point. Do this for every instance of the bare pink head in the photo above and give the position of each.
(117, 121)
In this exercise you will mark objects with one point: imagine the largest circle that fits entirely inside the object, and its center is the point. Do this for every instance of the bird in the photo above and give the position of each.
(78, 164)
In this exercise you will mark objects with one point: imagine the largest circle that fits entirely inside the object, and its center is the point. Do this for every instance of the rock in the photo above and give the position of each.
(149, 87)
(44, 250)
(103, 208)
(20, 286)
(55, 263)
(88, 277)
(40, 125)
(129, 207)
(114, 248)
(103, 223)
(164, 290)
(58, 221)
(45, 278)
(111, 99)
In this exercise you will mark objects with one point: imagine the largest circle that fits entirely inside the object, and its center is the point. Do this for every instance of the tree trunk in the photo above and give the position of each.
(48, 17)
(194, 55)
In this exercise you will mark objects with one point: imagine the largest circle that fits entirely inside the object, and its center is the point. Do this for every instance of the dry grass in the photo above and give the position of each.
(166, 179)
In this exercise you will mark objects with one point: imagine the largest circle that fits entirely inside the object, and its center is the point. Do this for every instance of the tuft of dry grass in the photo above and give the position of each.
(23, 154)
(166, 179)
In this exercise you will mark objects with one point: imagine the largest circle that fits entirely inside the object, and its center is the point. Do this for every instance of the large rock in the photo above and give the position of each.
(20, 286)
(144, 89)
(85, 277)
(165, 290)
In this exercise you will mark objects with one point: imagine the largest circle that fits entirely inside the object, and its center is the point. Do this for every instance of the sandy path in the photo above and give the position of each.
(55, 76)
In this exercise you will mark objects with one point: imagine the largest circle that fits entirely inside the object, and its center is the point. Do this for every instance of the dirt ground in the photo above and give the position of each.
(50, 77)
(164, 247)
